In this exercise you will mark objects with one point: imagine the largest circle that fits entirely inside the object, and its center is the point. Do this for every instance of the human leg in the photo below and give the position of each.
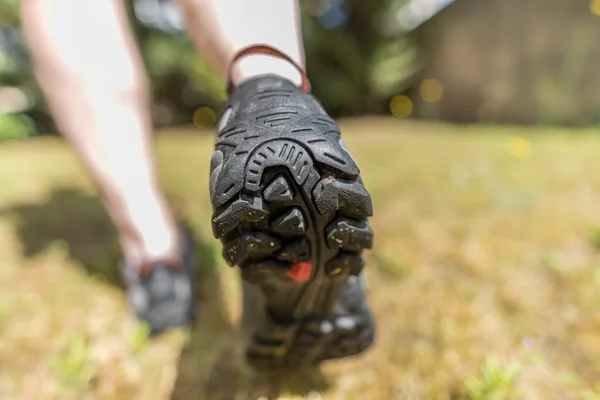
(91, 75)
(220, 28)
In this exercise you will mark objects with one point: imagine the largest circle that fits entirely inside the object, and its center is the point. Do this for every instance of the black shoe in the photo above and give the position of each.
(161, 293)
(291, 210)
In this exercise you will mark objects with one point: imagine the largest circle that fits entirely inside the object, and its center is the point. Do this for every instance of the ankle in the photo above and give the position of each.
(160, 242)
(262, 59)
(255, 65)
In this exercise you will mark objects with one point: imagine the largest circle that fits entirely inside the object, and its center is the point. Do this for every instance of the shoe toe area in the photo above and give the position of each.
(167, 315)
(164, 300)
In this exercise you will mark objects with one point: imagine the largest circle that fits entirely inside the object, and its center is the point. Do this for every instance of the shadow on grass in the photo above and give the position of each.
(75, 219)
(212, 365)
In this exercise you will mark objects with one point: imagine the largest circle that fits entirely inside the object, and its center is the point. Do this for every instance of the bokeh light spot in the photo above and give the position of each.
(204, 117)
(519, 147)
(401, 106)
(432, 90)
(595, 7)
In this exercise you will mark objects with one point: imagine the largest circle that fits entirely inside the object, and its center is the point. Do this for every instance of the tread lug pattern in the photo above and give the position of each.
(264, 271)
(286, 153)
(288, 197)
(278, 191)
(240, 210)
(349, 235)
(352, 198)
(250, 245)
(345, 263)
(291, 223)
(312, 342)
(297, 251)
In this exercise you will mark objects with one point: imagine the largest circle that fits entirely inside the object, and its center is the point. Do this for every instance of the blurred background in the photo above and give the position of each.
(509, 61)
(475, 123)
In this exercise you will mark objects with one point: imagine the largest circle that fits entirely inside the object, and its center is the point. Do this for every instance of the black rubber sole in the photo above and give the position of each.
(291, 211)
(294, 218)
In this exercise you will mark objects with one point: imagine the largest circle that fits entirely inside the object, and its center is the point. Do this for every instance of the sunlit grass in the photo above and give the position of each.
(484, 278)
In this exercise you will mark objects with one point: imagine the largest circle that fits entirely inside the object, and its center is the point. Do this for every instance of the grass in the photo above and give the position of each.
(484, 279)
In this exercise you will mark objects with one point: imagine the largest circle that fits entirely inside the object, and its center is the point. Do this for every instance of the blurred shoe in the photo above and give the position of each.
(291, 210)
(161, 293)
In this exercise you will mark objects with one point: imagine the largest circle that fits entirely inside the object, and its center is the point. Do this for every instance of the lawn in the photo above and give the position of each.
(484, 278)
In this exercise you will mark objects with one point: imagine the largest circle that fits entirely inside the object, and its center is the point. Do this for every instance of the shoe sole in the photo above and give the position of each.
(291, 211)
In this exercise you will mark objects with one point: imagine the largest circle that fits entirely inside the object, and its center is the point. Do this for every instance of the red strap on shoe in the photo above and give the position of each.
(270, 51)
(175, 263)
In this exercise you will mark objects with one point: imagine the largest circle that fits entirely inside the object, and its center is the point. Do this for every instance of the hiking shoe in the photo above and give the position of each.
(291, 211)
(161, 292)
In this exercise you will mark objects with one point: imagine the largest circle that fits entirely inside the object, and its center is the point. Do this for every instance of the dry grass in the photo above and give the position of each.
(484, 280)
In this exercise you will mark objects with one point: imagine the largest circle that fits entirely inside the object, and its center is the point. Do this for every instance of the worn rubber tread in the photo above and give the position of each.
(291, 210)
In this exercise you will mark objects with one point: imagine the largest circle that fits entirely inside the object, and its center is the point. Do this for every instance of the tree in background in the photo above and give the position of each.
(21, 114)
(358, 63)
(354, 63)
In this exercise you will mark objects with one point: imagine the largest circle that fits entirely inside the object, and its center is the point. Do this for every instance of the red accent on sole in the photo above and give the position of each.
(300, 271)
(175, 263)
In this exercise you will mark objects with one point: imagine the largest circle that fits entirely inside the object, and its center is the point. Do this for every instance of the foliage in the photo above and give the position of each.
(138, 339)
(354, 68)
(73, 365)
(9, 12)
(457, 274)
(594, 237)
(182, 80)
(16, 126)
(496, 381)
(16, 71)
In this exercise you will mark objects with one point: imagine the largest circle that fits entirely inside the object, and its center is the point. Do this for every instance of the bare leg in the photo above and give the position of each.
(220, 28)
(90, 72)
